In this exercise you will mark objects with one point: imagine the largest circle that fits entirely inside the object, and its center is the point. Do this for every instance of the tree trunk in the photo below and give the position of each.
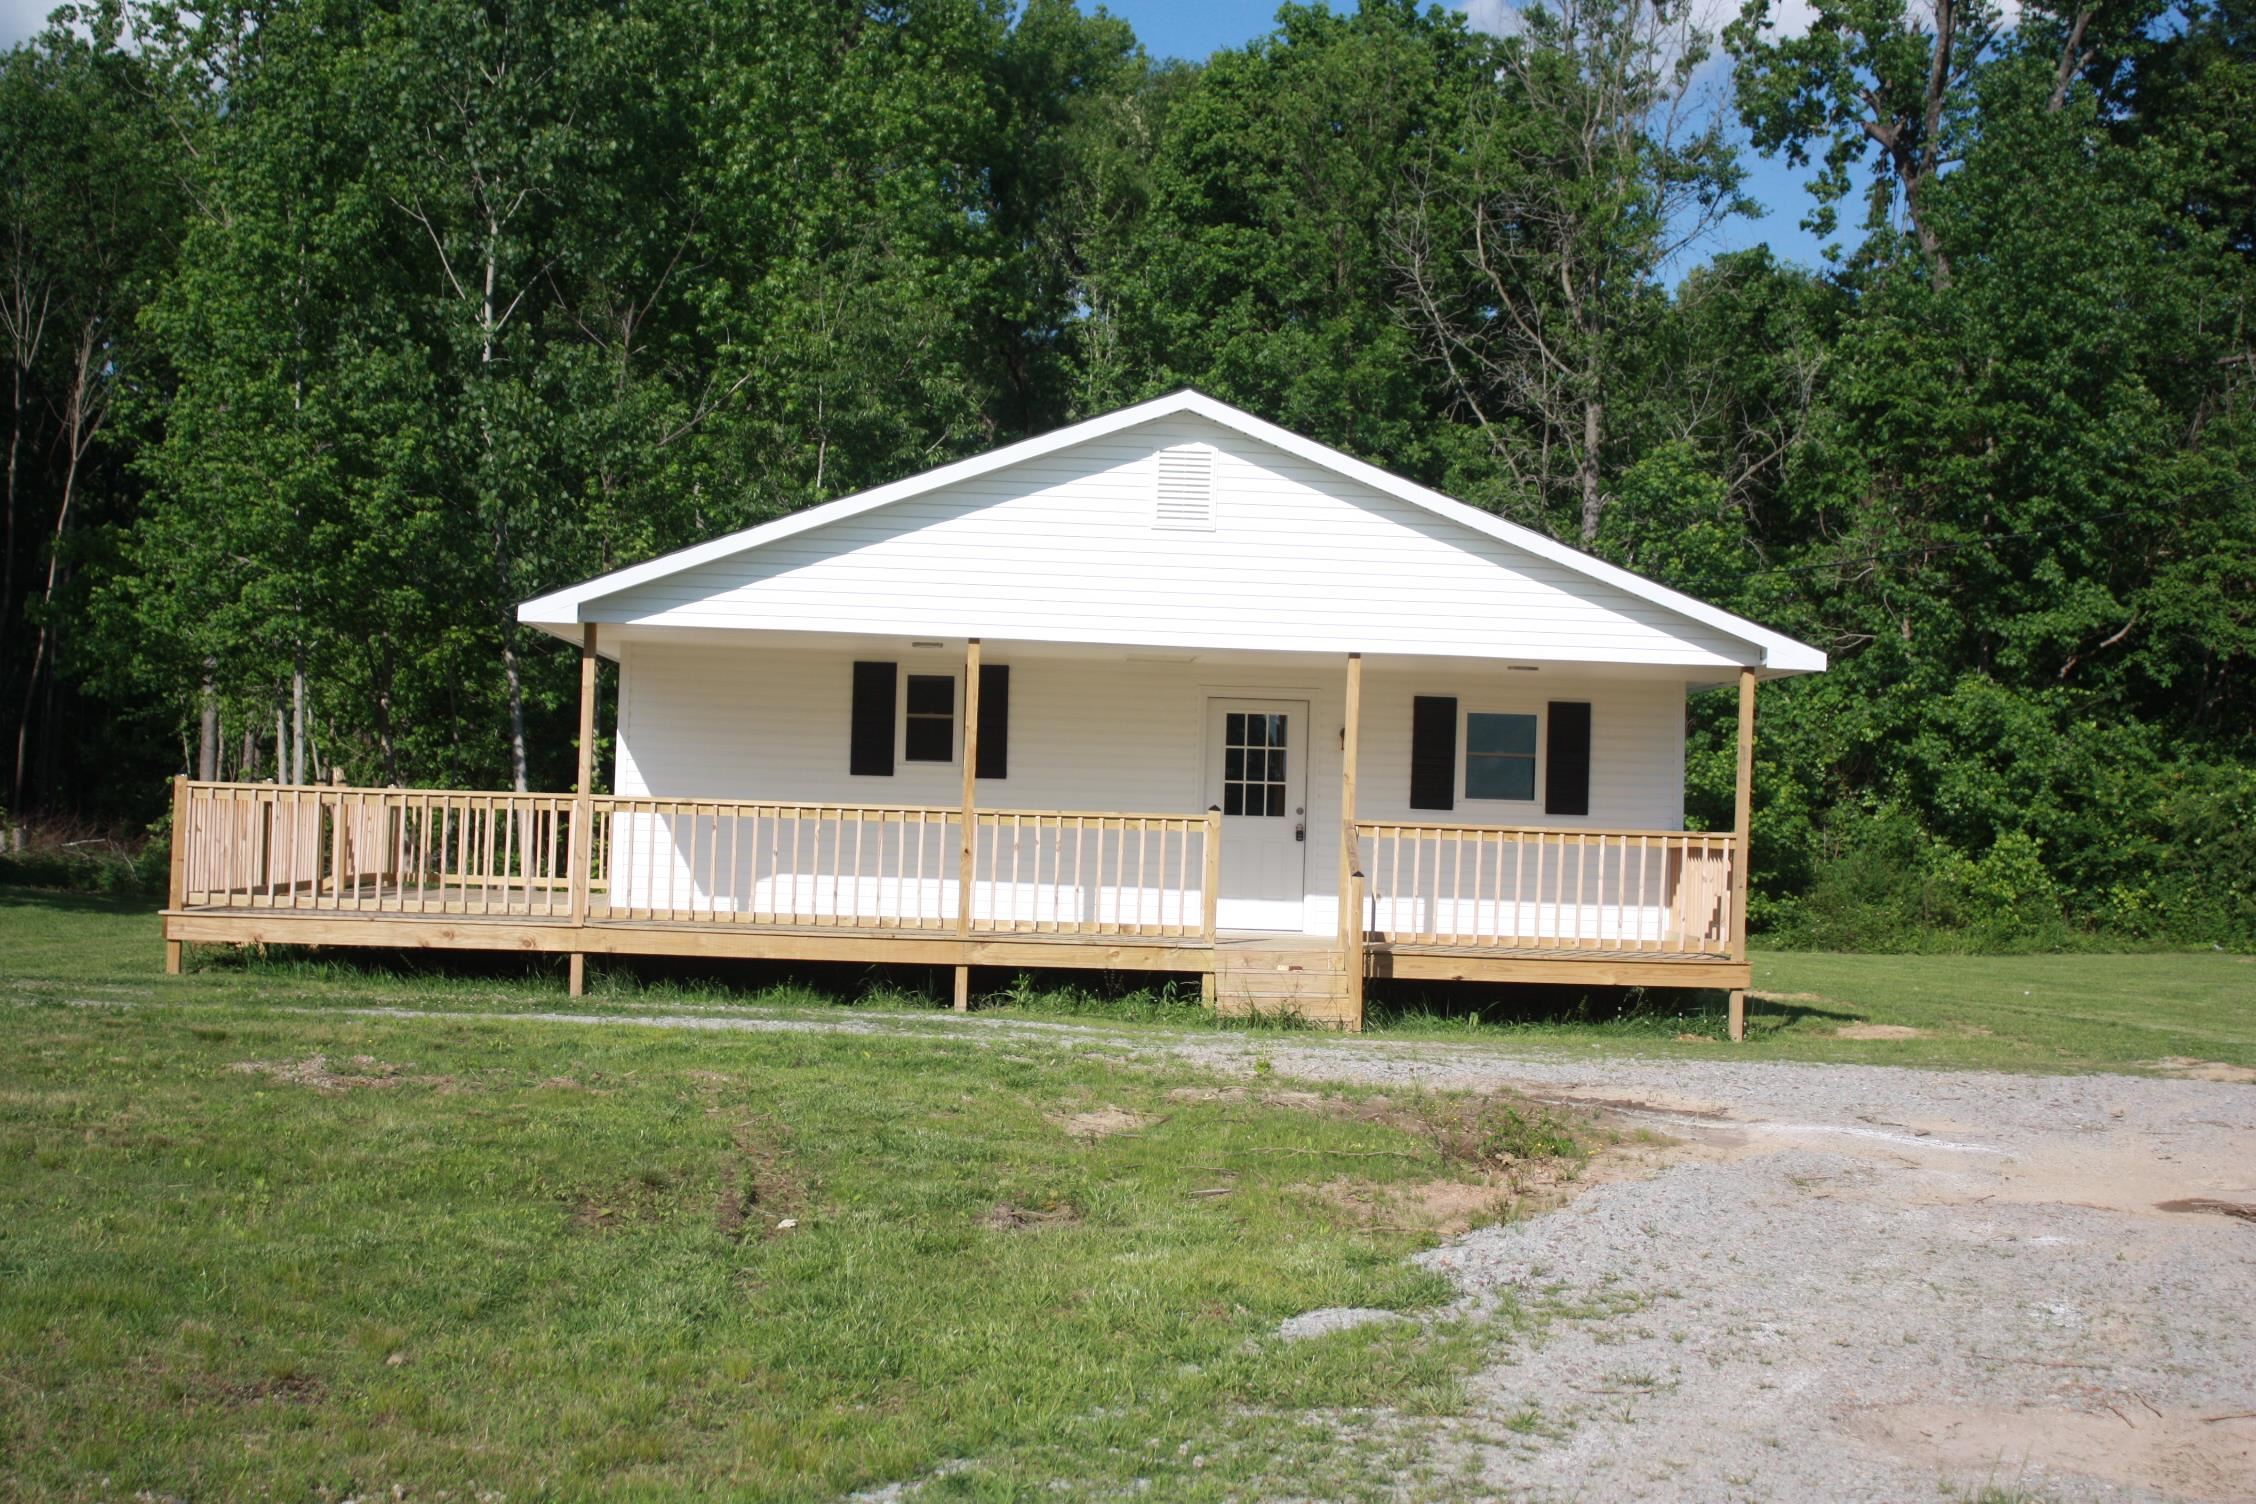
(8, 549)
(1931, 142)
(207, 741)
(1586, 469)
(517, 772)
(380, 668)
(297, 716)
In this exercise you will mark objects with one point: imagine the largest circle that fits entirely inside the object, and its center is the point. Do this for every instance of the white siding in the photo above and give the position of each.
(753, 723)
(1064, 548)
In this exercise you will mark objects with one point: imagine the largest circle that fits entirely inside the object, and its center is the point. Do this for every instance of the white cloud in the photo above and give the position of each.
(1499, 18)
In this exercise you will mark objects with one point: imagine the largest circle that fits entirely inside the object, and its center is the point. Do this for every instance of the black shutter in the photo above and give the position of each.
(874, 708)
(994, 721)
(1566, 789)
(1433, 752)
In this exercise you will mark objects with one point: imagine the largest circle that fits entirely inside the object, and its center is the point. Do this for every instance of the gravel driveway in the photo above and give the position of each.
(1843, 1283)
(1861, 1283)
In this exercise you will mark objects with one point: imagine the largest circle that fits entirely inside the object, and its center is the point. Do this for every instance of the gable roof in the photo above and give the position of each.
(562, 611)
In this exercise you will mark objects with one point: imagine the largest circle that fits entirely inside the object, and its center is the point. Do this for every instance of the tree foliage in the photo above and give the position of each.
(336, 327)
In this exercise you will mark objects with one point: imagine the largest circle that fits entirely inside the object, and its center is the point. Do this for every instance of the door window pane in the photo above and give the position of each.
(1254, 749)
(1499, 756)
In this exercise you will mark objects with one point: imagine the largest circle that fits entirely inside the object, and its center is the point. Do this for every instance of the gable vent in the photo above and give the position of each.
(1186, 489)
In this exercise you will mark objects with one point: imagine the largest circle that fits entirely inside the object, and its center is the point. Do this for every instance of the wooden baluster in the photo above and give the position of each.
(219, 846)
(1583, 889)
(1142, 881)
(1183, 880)
(1535, 894)
(1126, 911)
(798, 824)
(914, 907)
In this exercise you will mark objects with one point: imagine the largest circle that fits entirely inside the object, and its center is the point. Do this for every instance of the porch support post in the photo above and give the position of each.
(1743, 805)
(583, 805)
(968, 856)
(1350, 901)
(178, 879)
(1210, 901)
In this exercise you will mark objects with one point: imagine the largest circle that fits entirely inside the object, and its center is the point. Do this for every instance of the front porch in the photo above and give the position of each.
(581, 875)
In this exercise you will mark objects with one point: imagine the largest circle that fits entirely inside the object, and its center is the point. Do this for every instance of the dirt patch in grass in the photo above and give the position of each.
(1499, 1154)
(1878, 1031)
(645, 1197)
(1443, 1208)
(280, 1389)
(2189, 1069)
(1489, 1130)
(1307, 1101)
(1004, 1217)
(361, 1072)
(1104, 1122)
(758, 1184)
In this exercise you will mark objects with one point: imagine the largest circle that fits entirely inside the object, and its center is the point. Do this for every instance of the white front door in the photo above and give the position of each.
(1256, 762)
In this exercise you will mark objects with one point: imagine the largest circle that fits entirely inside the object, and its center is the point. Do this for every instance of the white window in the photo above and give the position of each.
(1500, 756)
(928, 725)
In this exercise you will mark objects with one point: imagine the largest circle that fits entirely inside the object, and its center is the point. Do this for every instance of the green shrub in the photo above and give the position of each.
(67, 859)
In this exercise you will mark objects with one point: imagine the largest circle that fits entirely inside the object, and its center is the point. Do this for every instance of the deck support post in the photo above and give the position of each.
(177, 880)
(1350, 900)
(583, 807)
(1210, 901)
(1743, 807)
(967, 863)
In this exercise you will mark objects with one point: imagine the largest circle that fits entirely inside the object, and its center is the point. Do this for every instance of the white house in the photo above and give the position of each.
(1170, 688)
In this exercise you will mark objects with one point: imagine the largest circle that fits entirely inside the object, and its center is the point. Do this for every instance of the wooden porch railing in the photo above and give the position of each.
(480, 854)
(1045, 872)
(376, 851)
(820, 866)
(1504, 888)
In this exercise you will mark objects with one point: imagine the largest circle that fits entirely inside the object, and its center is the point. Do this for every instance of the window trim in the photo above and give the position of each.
(955, 720)
(1465, 756)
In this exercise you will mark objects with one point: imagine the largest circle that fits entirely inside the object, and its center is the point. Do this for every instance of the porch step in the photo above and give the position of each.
(1264, 977)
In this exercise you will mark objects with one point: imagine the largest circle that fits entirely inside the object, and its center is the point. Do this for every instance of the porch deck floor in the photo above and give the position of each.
(434, 910)
(1548, 951)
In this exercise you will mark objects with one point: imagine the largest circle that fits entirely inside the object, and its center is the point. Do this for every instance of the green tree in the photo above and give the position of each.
(1534, 231)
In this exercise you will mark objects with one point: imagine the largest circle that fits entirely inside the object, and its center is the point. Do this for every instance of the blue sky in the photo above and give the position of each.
(20, 18)
(1194, 28)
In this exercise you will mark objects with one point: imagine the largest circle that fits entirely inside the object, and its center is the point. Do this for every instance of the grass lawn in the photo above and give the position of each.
(249, 1247)
(2027, 1013)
